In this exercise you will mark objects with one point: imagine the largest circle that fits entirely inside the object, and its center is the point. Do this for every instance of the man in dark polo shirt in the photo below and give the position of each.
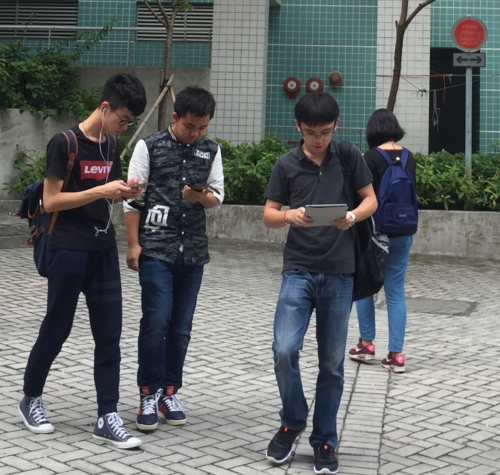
(318, 266)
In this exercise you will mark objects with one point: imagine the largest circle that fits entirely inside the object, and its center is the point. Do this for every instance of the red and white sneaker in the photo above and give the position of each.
(361, 352)
(394, 362)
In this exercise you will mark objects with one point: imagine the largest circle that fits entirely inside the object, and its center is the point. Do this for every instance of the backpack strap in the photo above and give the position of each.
(72, 142)
(403, 159)
(114, 141)
(345, 161)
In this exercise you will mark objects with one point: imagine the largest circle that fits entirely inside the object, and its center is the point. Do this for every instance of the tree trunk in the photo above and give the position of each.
(398, 55)
(401, 27)
(398, 62)
(162, 108)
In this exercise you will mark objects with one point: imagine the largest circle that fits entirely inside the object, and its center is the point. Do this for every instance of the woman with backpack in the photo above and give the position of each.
(393, 168)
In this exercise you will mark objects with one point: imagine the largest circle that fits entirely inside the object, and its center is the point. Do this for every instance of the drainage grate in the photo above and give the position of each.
(440, 307)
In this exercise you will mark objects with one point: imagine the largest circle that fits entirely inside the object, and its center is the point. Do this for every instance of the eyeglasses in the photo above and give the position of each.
(126, 122)
(326, 136)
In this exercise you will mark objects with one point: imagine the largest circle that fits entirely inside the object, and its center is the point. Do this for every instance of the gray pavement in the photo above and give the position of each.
(441, 417)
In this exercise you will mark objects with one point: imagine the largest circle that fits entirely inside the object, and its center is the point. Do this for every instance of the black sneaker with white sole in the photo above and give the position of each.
(32, 412)
(325, 459)
(109, 428)
(281, 445)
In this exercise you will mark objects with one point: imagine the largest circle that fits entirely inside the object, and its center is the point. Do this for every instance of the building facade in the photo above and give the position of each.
(252, 46)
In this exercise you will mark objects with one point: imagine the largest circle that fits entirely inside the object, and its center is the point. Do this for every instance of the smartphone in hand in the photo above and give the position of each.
(199, 188)
(140, 185)
(202, 188)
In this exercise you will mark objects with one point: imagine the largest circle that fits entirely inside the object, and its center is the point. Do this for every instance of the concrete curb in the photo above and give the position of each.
(441, 233)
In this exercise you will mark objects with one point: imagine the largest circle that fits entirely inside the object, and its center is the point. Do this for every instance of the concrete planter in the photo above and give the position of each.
(441, 233)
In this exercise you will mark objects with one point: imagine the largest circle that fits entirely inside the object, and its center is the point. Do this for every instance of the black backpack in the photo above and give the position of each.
(371, 248)
(31, 208)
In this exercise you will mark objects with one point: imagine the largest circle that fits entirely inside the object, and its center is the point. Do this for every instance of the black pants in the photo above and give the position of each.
(97, 275)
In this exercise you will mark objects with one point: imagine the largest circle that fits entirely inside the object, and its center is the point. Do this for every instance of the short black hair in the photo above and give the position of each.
(382, 127)
(194, 100)
(317, 109)
(125, 90)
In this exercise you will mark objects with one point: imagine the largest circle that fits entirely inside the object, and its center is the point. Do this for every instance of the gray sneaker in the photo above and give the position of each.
(32, 412)
(109, 428)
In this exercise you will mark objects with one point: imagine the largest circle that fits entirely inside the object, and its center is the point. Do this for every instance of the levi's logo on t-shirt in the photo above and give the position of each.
(96, 170)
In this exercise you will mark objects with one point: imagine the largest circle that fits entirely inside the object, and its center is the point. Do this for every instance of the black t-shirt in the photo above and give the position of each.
(378, 165)
(298, 181)
(76, 228)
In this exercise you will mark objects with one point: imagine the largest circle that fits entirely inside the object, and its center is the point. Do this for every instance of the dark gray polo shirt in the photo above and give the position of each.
(297, 181)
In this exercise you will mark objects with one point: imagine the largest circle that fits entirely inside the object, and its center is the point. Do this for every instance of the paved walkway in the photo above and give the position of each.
(441, 417)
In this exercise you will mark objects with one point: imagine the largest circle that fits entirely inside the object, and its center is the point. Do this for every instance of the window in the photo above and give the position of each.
(25, 13)
(195, 25)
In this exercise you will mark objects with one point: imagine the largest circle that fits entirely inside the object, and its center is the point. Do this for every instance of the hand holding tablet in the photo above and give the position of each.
(324, 214)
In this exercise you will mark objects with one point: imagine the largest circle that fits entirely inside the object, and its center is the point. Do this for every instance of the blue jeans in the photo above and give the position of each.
(331, 296)
(394, 287)
(169, 294)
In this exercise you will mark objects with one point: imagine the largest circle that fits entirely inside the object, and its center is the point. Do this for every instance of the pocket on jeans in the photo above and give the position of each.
(292, 272)
(346, 277)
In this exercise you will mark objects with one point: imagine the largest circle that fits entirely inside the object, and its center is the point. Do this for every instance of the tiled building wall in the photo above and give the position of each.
(412, 106)
(312, 39)
(120, 48)
(239, 61)
(444, 14)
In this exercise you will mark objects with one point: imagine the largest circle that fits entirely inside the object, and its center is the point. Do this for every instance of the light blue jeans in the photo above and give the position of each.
(331, 296)
(394, 288)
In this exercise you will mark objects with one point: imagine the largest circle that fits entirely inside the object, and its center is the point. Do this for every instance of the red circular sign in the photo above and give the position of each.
(469, 34)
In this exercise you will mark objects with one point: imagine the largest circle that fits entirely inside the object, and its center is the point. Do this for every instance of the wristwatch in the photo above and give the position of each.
(353, 218)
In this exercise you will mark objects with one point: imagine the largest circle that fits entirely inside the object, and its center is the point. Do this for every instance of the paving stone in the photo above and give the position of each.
(440, 417)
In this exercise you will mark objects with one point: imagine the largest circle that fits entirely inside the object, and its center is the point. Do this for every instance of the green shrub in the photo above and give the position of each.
(31, 167)
(46, 81)
(443, 183)
(247, 168)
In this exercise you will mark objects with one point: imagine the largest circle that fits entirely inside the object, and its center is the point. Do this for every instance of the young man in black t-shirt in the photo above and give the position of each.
(318, 267)
(82, 256)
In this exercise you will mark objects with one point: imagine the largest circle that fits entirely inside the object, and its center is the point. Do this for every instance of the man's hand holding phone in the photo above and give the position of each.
(192, 193)
(135, 188)
(140, 185)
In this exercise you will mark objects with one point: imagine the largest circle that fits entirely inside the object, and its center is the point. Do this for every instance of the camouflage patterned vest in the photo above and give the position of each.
(168, 220)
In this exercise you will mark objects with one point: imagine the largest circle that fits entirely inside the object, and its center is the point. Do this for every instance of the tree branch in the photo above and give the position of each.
(420, 7)
(168, 21)
(154, 13)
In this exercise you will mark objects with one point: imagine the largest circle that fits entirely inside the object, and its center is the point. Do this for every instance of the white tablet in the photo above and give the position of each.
(324, 214)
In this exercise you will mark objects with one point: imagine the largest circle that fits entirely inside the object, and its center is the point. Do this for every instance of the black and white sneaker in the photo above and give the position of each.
(32, 412)
(325, 460)
(281, 445)
(171, 409)
(109, 428)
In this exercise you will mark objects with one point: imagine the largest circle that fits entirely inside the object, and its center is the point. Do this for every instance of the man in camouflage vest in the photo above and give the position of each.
(168, 246)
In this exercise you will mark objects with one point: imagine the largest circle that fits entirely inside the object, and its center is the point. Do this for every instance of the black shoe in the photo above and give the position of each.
(281, 445)
(147, 417)
(171, 408)
(325, 459)
(32, 411)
